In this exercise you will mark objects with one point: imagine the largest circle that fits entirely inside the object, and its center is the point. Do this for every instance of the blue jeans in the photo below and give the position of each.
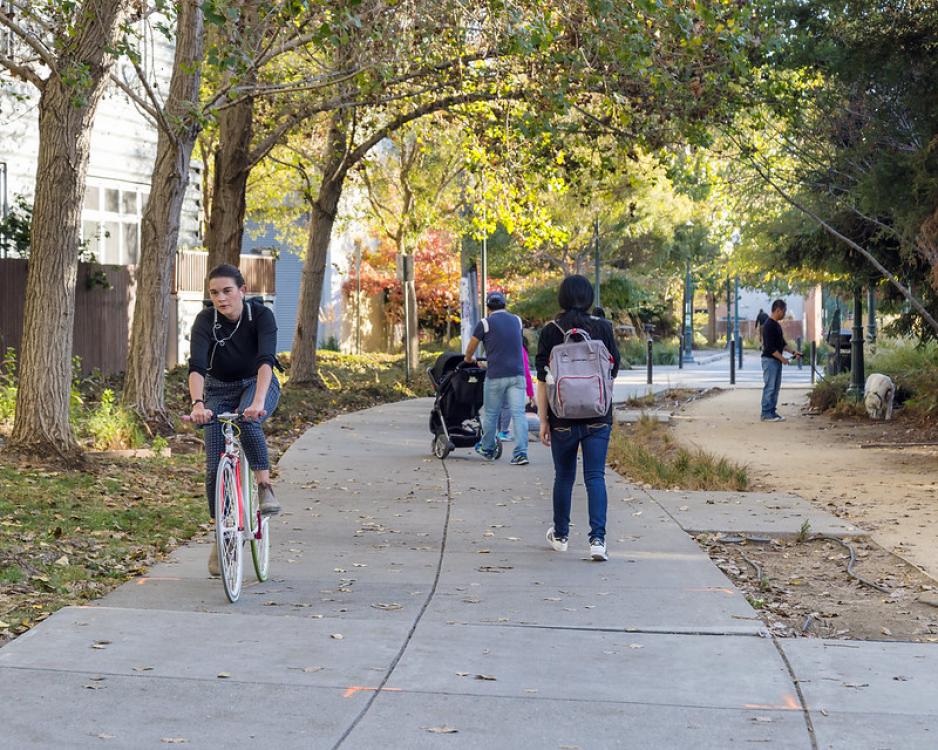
(772, 377)
(495, 392)
(564, 442)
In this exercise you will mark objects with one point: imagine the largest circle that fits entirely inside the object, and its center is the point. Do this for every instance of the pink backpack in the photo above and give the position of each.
(579, 377)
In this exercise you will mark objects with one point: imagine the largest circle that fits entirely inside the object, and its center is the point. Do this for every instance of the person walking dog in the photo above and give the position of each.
(501, 332)
(577, 360)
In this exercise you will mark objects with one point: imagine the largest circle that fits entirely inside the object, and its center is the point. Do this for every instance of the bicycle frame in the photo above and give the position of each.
(233, 452)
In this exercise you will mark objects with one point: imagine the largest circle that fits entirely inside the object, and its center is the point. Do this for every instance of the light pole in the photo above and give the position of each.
(596, 257)
(688, 354)
(729, 314)
(739, 343)
(358, 296)
(871, 316)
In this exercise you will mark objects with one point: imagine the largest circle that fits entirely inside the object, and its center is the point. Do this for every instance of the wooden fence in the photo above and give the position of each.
(103, 316)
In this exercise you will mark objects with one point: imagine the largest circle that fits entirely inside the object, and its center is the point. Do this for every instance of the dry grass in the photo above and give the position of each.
(646, 453)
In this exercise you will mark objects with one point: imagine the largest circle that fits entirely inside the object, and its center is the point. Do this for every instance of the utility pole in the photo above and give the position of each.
(596, 255)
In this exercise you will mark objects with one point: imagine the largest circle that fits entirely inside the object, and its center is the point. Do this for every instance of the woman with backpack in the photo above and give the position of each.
(574, 404)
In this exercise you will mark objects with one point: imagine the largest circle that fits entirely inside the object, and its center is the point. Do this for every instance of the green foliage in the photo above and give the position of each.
(634, 352)
(8, 388)
(16, 228)
(829, 392)
(110, 426)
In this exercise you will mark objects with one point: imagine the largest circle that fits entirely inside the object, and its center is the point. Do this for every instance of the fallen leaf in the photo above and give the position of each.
(462, 674)
(100, 644)
(143, 669)
(223, 675)
(387, 605)
(173, 740)
(104, 736)
(442, 730)
(337, 636)
(62, 561)
(488, 677)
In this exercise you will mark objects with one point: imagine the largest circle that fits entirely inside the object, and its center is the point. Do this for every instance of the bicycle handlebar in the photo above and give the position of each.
(228, 416)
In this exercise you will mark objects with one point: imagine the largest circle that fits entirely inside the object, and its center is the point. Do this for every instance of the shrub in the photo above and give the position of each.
(112, 427)
(634, 352)
(829, 392)
(8, 387)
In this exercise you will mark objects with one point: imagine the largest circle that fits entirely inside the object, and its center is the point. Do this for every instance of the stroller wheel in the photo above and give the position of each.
(440, 446)
(498, 449)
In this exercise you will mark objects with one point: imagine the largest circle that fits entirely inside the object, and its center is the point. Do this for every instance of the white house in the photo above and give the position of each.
(123, 148)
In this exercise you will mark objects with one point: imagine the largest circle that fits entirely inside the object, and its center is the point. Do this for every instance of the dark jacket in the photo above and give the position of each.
(599, 329)
(246, 345)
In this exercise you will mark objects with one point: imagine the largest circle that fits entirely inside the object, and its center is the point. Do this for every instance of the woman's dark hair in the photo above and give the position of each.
(576, 298)
(226, 271)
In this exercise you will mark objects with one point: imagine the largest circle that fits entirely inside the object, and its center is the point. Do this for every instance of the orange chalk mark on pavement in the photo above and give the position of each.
(144, 579)
(349, 692)
(790, 704)
(716, 590)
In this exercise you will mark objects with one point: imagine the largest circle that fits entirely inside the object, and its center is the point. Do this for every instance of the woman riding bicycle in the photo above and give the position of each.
(232, 356)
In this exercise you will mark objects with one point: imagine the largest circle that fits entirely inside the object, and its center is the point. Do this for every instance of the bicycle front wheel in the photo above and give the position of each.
(228, 533)
(255, 522)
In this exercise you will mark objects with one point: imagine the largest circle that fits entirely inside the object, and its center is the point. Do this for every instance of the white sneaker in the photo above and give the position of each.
(598, 550)
(558, 543)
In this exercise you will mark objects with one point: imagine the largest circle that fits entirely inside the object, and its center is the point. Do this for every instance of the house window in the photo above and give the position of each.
(111, 223)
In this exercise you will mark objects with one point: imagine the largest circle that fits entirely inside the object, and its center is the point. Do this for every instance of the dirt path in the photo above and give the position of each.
(893, 493)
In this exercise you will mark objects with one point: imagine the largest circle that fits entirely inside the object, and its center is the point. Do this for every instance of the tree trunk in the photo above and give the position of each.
(232, 160)
(303, 357)
(229, 184)
(146, 362)
(712, 318)
(66, 114)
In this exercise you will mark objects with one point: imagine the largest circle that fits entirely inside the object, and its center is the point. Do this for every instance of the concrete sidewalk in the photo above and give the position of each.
(414, 604)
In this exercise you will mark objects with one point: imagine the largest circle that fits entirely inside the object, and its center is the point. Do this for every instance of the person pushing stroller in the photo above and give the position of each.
(501, 332)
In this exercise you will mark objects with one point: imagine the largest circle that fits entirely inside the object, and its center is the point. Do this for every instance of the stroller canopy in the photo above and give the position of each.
(444, 364)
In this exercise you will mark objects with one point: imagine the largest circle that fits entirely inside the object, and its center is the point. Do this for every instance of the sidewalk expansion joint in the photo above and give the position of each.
(375, 692)
(640, 631)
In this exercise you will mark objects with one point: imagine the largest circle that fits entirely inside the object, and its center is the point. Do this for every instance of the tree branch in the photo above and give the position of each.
(24, 72)
(23, 35)
(863, 251)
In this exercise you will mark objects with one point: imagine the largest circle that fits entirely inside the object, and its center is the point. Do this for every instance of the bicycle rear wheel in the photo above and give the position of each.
(260, 548)
(227, 532)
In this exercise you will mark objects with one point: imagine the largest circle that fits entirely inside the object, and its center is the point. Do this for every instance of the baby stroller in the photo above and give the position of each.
(454, 420)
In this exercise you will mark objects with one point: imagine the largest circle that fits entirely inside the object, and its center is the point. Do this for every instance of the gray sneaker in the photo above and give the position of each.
(213, 569)
(268, 502)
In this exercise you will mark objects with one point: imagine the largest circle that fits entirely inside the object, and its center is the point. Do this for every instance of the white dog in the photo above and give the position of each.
(880, 391)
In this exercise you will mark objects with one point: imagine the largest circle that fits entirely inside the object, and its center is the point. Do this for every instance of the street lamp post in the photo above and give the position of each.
(688, 354)
(729, 301)
(358, 296)
(596, 257)
(871, 316)
(739, 342)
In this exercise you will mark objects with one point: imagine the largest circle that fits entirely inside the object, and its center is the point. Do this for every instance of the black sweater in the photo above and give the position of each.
(598, 328)
(773, 338)
(253, 344)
